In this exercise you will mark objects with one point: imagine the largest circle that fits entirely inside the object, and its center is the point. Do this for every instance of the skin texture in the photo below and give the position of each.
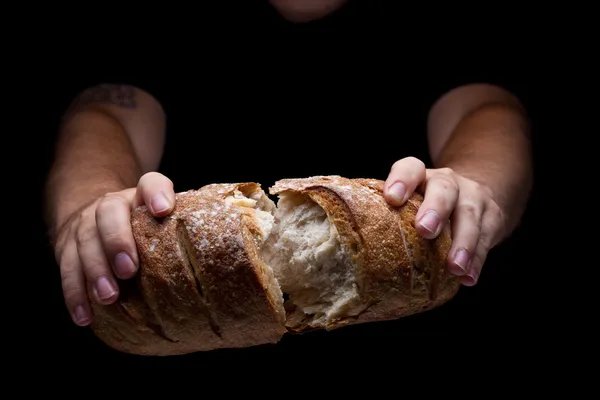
(112, 138)
(480, 146)
(89, 195)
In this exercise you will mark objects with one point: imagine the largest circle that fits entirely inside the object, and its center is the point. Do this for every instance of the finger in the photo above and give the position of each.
(406, 174)
(93, 260)
(474, 270)
(113, 215)
(156, 191)
(74, 285)
(441, 195)
(466, 231)
(487, 237)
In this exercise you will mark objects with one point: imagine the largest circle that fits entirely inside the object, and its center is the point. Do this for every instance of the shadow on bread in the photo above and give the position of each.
(214, 273)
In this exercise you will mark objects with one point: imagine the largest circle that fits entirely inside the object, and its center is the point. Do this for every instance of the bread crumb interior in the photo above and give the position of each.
(302, 248)
(312, 266)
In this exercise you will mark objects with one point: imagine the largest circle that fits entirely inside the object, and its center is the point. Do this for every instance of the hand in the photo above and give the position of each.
(95, 245)
(477, 221)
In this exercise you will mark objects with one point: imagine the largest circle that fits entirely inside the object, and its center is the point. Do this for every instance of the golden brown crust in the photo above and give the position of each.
(201, 284)
(398, 272)
(129, 325)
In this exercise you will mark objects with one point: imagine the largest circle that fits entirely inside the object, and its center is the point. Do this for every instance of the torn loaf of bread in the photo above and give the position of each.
(214, 273)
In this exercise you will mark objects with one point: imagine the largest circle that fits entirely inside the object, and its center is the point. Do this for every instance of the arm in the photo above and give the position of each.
(482, 133)
(480, 147)
(108, 138)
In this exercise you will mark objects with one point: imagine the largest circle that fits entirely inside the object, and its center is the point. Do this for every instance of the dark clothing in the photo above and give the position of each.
(316, 102)
(310, 123)
(322, 126)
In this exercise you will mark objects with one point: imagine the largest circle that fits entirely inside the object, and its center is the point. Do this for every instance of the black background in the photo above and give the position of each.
(364, 41)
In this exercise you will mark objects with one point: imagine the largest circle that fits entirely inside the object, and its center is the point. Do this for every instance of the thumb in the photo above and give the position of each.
(404, 178)
(156, 192)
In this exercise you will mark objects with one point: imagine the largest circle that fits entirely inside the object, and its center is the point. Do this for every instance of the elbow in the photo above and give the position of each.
(120, 101)
(464, 102)
(129, 109)
(466, 99)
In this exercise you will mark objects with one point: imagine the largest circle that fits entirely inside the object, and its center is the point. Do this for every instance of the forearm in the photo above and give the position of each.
(491, 146)
(94, 155)
(109, 137)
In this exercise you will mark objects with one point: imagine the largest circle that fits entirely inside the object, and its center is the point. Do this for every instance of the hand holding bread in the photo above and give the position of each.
(94, 245)
(478, 221)
(214, 273)
(223, 266)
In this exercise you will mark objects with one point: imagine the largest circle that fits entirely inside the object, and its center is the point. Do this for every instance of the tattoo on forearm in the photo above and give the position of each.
(120, 95)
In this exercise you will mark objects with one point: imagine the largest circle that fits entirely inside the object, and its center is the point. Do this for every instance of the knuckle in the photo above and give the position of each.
(446, 171)
(153, 176)
(437, 201)
(86, 232)
(108, 202)
(60, 241)
(66, 270)
(470, 210)
(114, 240)
(73, 294)
(108, 197)
(397, 164)
(446, 182)
(59, 249)
(496, 222)
(411, 161)
(95, 267)
(416, 163)
(481, 190)
(494, 209)
(414, 160)
(84, 214)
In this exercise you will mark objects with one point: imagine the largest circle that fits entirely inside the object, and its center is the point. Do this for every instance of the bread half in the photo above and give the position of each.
(214, 273)
(202, 284)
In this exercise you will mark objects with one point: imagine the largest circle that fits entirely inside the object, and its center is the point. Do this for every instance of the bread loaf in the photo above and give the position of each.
(215, 272)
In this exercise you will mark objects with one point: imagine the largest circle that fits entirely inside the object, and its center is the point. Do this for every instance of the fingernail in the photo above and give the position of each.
(397, 192)
(159, 203)
(430, 221)
(470, 279)
(124, 266)
(461, 259)
(80, 316)
(104, 288)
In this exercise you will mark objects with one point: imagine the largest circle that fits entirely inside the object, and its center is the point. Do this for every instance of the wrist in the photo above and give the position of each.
(510, 191)
(492, 147)
(65, 198)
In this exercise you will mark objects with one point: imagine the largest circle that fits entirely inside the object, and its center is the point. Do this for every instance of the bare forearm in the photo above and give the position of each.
(109, 137)
(94, 155)
(491, 145)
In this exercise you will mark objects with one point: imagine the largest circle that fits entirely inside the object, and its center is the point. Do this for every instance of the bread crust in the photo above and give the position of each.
(398, 272)
(201, 285)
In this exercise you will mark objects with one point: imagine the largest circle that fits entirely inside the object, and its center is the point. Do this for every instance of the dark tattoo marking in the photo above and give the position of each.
(120, 95)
